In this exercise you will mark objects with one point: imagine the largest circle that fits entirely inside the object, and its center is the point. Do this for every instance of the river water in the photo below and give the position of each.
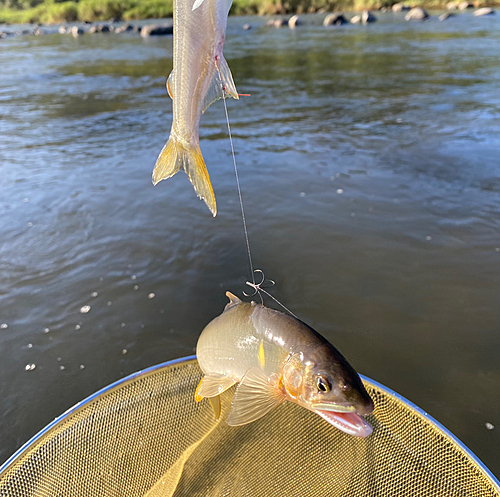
(370, 170)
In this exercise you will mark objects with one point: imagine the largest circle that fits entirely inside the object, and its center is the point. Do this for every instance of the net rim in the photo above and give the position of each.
(153, 369)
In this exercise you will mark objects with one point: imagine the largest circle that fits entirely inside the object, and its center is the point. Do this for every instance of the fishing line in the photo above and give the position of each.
(256, 286)
(239, 190)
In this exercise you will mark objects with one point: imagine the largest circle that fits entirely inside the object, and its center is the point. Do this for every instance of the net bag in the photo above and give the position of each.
(146, 436)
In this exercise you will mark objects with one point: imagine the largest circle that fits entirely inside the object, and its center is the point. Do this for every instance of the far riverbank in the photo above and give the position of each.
(51, 12)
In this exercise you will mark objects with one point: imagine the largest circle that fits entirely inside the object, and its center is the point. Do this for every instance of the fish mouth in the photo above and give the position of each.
(345, 420)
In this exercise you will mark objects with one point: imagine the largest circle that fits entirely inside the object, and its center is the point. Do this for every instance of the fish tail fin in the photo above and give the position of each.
(176, 155)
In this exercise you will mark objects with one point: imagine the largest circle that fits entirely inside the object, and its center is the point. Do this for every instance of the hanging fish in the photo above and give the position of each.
(199, 77)
(274, 357)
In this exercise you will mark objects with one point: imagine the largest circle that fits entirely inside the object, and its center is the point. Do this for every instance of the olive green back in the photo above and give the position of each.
(148, 437)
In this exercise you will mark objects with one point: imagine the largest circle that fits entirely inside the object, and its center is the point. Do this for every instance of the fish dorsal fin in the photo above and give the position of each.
(169, 85)
(233, 300)
(213, 384)
(254, 398)
(222, 79)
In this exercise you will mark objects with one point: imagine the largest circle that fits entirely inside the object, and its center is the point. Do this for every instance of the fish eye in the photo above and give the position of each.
(323, 383)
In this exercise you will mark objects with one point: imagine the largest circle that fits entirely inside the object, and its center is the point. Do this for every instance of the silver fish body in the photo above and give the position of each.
(274, 357)
(199, 77)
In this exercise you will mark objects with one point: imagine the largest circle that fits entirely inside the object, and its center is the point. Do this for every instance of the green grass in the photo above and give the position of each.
(53, 11)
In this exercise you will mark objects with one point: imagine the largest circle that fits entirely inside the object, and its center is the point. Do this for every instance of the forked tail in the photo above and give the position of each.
(175, 156)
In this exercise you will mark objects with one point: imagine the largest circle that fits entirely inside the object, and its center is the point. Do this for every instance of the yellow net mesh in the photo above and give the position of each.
(147, 437)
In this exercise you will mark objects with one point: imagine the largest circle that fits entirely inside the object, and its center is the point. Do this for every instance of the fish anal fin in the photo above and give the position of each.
(222, 81)
(214, 384)
(216, 405)
(213, 94)
(254, 397)
(226, 77)
(233, 300)
(176, 155)
(170, 85)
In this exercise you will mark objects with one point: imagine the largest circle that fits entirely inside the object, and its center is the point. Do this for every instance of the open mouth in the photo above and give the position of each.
(348, 422)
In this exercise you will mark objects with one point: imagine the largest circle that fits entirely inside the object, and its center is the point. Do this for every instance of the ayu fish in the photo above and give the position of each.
(199, 78)
(274, 357)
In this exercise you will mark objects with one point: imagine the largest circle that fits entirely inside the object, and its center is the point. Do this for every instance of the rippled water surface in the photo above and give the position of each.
(370, 168)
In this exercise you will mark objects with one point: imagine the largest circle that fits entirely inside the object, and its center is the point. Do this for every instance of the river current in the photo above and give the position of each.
(370, 171)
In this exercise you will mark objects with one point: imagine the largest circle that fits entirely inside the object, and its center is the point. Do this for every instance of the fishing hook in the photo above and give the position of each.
(258, 287)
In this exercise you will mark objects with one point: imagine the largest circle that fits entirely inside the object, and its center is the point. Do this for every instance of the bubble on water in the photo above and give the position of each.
(82, 366)
(136, 287)
(428, 238)
(59, 359)
(124, 351)
(129, 266)
(85, 309)
(399, 120)
(109, 303)
(302, 194)
(133, 277)
(101, 279)
(489, 426)
(142, 326)
(30, 367)
(77, 327)
(340, 191)
(353, 214)
(62, 368)
(162, 311)
(497, 249)
(151, 295)
(4, 326)
(122, 325)
(30, 224)
(30, 345)
(46, 330)
(94, 294)
(26, 199)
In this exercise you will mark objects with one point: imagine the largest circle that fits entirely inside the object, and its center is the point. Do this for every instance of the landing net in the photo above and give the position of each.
(146, 436)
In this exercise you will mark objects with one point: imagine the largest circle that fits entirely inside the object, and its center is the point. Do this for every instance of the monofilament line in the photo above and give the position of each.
(239, 192)
(255, 286)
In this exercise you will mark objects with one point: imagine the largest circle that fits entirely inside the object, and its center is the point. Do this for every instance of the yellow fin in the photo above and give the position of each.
(175, 155)
(216, 405)
(262, 356)
(197, 396)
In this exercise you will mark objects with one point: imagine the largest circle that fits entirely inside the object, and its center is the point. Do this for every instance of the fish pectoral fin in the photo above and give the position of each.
(169, 85)
(226, 77)
(233, 300)
(197, 4)
(254, 398)
(213, 385)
